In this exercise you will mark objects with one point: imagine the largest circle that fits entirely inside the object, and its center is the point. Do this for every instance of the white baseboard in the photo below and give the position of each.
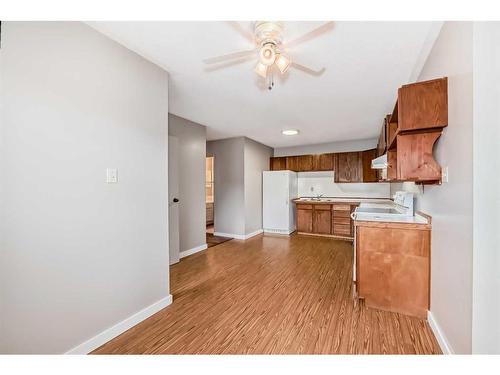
(194, 250)
(120, 327)
(445, 346)
(239, 236)
(285, 232)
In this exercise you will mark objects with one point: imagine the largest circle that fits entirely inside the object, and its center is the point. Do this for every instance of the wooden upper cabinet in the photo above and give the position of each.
(369, 174)
(415, 161)
(292, 163)
(423, 105)
(305, 163)
(349, 167)
(278, 163)
(324, 162)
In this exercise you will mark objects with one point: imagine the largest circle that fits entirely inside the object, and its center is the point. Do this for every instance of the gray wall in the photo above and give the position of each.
(192, 153)
(228, 184)
(359, 145)
(486, 283)
(450, 204)
(78, 255)
(256, 159)
(238, 165)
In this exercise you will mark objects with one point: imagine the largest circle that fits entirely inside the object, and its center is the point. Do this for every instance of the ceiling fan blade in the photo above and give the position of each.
(307, 70)
(229, 56)
(244, 33)
(311, 34)
(227, 64)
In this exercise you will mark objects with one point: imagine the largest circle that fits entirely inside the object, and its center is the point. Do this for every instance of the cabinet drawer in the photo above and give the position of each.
(342, 214)
(323, 207)
(342, 207)
(304, 207)
(341, 230)
(342, 220)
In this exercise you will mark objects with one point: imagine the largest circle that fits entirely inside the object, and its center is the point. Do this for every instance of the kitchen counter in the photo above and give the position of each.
(330, 200)
(417, 219)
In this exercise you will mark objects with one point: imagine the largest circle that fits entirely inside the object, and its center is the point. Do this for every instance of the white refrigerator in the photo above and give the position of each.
(278, 210)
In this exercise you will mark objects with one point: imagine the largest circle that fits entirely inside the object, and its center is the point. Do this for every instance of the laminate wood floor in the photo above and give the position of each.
(271, 295)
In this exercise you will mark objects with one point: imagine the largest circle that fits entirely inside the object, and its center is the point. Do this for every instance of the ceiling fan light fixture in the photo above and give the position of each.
(267, 54)
(261, 69)
(283, 63)
(290, 132)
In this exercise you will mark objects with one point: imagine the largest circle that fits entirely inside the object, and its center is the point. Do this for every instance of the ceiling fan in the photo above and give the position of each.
(270, 49)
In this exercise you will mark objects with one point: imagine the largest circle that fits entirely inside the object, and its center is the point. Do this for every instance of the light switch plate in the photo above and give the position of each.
(444, 174)
(111, 176)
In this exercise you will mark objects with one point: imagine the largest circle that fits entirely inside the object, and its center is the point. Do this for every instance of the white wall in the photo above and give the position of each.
(78, 255)
(192, 154)
(314, 183)
(320, 148)
(450, 204)
(256, 160)
(486, 141)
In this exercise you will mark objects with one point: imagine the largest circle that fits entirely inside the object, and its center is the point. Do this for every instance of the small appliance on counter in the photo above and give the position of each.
(279, 188)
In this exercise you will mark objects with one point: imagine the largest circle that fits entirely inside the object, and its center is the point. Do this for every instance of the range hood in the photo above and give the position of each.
(380, 162)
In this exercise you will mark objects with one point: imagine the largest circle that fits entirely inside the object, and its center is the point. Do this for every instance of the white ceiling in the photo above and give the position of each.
(365, 64)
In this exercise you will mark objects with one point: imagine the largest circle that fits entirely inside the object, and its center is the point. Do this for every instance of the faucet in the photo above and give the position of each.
(319, 196)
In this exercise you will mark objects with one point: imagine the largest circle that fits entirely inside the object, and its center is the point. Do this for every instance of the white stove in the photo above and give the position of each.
(402, 207)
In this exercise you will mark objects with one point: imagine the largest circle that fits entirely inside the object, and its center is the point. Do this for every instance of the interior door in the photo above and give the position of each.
(173, 198)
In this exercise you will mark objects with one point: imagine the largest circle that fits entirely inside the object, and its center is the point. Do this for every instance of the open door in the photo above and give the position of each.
(173, 198)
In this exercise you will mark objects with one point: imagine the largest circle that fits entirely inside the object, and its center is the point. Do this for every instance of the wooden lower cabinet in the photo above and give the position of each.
(393, 266)
(304, 218)
(325, 219)
(322, 219)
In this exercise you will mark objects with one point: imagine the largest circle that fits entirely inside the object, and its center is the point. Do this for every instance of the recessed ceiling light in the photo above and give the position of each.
(290, 132)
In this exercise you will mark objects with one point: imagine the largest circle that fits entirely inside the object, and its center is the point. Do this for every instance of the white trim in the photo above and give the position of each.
(445, 346)
(286, 232)
(119, 328)
(239, 236)
(194, 250)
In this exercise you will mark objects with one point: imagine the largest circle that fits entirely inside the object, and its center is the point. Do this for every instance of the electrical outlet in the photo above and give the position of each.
(444, 174)
(111, 176)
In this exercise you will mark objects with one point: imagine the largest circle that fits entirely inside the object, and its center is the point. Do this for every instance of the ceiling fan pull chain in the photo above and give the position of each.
(270, 84)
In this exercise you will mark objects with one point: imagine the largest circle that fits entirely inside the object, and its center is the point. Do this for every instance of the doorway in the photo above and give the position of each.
(212, 239)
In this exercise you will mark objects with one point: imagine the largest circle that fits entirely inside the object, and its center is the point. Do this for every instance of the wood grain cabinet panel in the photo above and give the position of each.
(304, 163)
(304, 219)
(415, 161)
(322, 222)
(292, 163)
(278, 163)
(393, 269)
(349, 167)
(369, 174)
(324, 162)
(423, 105)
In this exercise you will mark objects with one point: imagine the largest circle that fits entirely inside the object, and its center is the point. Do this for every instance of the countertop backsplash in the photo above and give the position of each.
(311, 184)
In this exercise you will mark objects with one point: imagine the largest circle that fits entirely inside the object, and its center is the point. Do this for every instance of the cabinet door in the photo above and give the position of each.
(322, 219)
(369, 174)
(304, 220)
(305, 163)
(292, 163)
(324, 162)
(423, 105)
(278, 163)
(349, 167)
